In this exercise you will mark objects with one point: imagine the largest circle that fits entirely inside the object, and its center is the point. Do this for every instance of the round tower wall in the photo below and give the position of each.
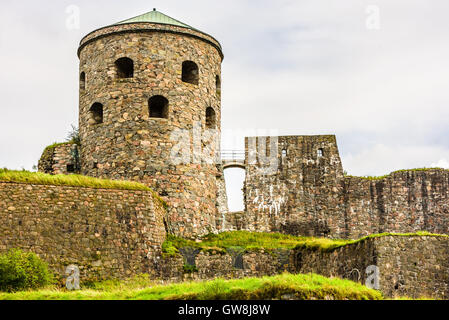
(124, 141)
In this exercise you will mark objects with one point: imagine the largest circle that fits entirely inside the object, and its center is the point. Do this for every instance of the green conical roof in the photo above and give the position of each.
(155, 17)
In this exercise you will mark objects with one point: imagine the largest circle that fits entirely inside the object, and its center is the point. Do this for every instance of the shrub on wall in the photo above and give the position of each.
(23, 270)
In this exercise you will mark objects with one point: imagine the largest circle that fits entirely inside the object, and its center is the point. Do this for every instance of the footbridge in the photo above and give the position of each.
(233, 159)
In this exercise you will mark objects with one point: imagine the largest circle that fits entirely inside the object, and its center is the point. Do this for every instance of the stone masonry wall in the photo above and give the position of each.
(60, 159)
(132, 146)
(413, 266)
(307, 194)
(405, 201)
(301, 193)
(230, 265)
(222, 201)
(408, 266)
(107, 233)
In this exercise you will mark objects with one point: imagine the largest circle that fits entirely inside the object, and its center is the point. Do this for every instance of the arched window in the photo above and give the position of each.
(83, 81)
(190, 72)
(124, 68)
(158, 107)
(96, 113)
(211, 121)
(218, 85)
(320, 153)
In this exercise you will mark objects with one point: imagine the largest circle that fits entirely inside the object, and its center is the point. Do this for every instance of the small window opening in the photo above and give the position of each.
(158, 107)
(190, 72)
(83, 81)
(211, 121)
(238, 262)
(218, 85)
(70, 168)
(96, 113)
(94, 165)
(320, 153)
(124, 68)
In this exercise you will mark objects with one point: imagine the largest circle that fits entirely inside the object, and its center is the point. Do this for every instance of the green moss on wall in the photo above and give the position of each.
(254, 241)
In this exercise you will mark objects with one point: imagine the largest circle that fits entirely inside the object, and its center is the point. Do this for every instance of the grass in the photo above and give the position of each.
(247, 241)
(56, 144)
(301, 287)
(330, 245)
(73, 180)
(390, 174)
(39, 178)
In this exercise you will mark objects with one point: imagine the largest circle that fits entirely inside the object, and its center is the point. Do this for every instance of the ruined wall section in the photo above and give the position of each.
(106, 233)
(60, 159)
(405, 201)
(302, 195)
(307, 194)
(131, 145)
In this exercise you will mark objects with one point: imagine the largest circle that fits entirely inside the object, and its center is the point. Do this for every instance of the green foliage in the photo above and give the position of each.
(168, 248)
(74, 136)
(140, 281)
(247, 241)
(22, 271)
(188, 268)
(242, 239)
(300, 286)
(329, 245)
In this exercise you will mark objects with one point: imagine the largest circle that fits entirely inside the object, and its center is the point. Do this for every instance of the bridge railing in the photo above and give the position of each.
(232, 155)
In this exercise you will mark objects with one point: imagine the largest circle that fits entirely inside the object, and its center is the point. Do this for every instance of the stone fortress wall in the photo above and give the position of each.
(413, 266)
(130, 124)
(116, 234)
(107, 233)
(308, 194)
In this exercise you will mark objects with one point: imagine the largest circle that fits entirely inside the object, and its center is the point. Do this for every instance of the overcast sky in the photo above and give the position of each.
(291, 67)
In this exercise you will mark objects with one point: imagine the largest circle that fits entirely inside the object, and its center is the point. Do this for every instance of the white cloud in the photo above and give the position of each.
(442, 163)
(381, 159)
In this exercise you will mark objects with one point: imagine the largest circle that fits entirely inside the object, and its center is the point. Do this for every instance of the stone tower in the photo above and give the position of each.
(150, 111)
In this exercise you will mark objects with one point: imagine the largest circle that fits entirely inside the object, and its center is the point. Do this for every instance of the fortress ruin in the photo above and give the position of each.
(150, 112)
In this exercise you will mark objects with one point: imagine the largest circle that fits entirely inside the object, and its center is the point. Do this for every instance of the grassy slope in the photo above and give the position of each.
(303, 286)
(253, 240)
